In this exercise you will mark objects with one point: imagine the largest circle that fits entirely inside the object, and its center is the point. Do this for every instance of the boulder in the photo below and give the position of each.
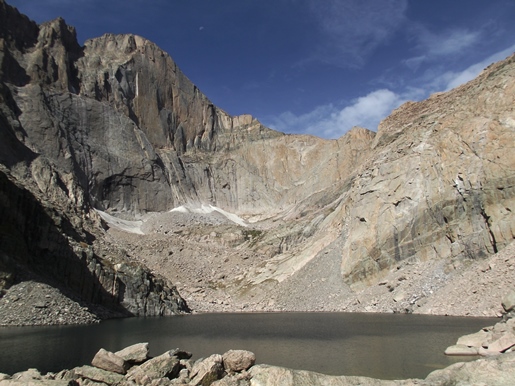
(208, 370)
(35, 382)
(494, 371)
(166, 365)
(503, 343)
(30, 374)
(478, 339)
(98, 375)
(109, 361)
(508, 301)
(238, 360)
(265, 375)
(237, 379)
(180, 354)
(137, 353)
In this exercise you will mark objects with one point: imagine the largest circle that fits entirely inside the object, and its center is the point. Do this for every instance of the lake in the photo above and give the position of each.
(387, 346)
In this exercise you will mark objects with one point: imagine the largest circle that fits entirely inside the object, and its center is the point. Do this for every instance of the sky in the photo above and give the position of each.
(315, 67)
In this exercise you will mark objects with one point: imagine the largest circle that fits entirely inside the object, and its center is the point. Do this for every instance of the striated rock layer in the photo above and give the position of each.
(115, 126)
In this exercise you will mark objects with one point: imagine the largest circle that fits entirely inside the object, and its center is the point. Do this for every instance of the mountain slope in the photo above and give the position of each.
(116, 127)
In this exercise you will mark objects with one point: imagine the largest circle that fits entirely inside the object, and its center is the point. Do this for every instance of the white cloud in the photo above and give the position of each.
(452, 79)
(353, 29)
(445, 45)
(329, 121)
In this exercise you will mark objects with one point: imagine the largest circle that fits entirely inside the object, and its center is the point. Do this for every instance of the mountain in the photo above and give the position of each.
(99, 140)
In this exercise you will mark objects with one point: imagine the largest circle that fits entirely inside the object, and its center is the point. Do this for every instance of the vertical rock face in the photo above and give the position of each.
(115, 125)
(46, 225)
(440, 183)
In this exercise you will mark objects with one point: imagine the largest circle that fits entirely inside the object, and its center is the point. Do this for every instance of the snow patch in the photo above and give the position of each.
(206, 209)
(124, 225)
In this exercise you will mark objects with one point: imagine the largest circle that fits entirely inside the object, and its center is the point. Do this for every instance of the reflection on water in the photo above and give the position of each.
(382, 346)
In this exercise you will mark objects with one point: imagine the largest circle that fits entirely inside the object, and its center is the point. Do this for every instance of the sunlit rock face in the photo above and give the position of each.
(440, 180)
(116, 126)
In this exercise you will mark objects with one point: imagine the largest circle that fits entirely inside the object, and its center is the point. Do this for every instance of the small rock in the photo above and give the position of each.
(508, 301)
(399, 297)
(460, 349)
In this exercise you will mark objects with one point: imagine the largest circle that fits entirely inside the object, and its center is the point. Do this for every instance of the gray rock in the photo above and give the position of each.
(108, 361)
(163, 366)
(207, 371)
(30, 374)
(35, 382)
(98, 375)
(265, 375)
(239, 379)
(137, 353)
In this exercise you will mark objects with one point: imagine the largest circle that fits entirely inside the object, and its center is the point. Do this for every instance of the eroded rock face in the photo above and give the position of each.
(439, 184)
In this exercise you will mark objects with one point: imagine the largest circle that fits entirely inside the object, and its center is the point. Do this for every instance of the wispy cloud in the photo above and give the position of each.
(449, 42)
(351, 30)
(332, 121)
(444, 45)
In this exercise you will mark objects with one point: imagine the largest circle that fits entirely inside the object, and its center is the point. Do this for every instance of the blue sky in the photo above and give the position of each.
(307, 66)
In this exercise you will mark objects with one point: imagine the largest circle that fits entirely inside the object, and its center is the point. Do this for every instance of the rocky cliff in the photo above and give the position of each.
(115, 126)
(48, 232)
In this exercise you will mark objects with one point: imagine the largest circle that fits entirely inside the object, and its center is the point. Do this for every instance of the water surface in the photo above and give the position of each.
(391, 346)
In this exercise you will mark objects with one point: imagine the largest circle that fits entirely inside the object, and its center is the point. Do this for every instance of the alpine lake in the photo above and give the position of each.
(386, 346)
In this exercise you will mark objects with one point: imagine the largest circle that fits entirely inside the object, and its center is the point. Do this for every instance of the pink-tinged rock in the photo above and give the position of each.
(503, 343)
(508, 301)
(238, 360)
(460, 349)
(479, 339)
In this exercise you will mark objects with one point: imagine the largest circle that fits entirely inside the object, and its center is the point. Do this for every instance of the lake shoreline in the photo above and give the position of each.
(133, 366)
(404, 346)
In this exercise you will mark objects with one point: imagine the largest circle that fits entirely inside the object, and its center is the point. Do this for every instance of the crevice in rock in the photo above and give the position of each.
(486, 217)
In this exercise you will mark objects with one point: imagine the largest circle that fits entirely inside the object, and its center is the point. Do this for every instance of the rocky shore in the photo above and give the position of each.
(133, 366)
(34, 302)
(492, 340)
